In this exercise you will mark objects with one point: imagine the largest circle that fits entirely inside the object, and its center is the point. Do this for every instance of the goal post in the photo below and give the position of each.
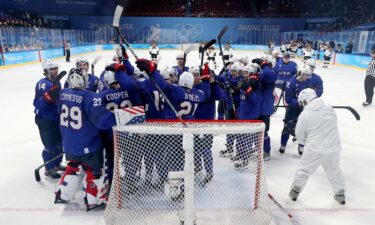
(167, 173)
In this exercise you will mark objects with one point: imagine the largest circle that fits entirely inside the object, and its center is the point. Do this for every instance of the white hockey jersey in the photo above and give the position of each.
(228, 51)
(308, 52)
(317, 128)
(211, 53)
(154, 50)
(328, 53)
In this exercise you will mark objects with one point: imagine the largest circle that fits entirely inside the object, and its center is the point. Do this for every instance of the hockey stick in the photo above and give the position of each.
(292, 219)
(56, 81)
(209, 44)
(36, 171)
(96, 60)
(278, 102)
(219, 37)
(186, 52)
(116, 23)
(353, 111)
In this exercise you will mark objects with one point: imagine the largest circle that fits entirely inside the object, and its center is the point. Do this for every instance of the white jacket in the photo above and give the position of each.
(317, 128)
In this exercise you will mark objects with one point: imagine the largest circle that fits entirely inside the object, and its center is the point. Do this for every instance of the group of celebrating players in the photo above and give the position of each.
(78, 118)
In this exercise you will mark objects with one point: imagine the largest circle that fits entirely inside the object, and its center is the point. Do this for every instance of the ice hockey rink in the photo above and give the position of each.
(24, 201)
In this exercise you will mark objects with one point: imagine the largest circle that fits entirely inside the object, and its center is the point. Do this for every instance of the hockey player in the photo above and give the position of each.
(311, 63)
(185, 100)
(283, 48)
(267, 80)
(180, 68)
(279, 60)
(317, 130)
(82, 117)
(205, 111)
(307, 52)
(249, 109)
(231, 82)
(211, 55)
(93, 81)
(227, 52)
(304, 79)
(47, 118)
(154, 51)
(328, 54)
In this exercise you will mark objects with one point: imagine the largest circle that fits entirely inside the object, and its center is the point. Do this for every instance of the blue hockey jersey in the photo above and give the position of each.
(44, 109)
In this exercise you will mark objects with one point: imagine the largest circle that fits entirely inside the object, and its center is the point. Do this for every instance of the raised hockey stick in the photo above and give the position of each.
(353, 111)
(56, 81)
(96, 60)
(36, 171)
(219, 37)
(209, 44)
(187, 51)
(292, 219)
(116, 24)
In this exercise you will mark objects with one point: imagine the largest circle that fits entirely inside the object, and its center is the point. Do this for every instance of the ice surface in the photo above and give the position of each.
(24, 201)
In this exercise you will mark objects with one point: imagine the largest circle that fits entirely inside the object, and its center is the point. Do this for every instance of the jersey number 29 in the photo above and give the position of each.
(72, 117)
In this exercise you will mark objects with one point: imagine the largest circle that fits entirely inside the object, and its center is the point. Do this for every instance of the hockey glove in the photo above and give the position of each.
(146, 65)
(246, 86)
(205, 73)
(121, 52)
(115, 67)
(52, 94)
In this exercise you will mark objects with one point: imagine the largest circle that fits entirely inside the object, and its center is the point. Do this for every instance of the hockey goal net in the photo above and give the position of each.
(163, 174)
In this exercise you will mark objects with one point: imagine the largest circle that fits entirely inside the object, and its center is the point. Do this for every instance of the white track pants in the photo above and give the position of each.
(310, 162)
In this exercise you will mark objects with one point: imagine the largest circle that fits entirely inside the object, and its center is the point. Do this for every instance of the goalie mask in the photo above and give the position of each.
(306, 96)
(77, 78)
(50, 68)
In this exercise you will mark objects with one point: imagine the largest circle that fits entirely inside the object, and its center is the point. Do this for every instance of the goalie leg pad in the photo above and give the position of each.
(69, 183)
(96, 187)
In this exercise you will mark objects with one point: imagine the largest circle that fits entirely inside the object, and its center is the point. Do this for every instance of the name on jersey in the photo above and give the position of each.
(191, 97)
(71, 97)
(117, 95)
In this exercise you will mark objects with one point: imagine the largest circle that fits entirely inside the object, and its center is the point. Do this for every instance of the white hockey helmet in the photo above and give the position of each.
(251, 68)
(180, 55)
(311, 63)
(186, 80)
(77, 78)
(49, 64)
(109, 78)
(167, 72)
(305, 70)
(270, 59)
(236, 67)
(306, 96)
(194, 70)
(82, 59)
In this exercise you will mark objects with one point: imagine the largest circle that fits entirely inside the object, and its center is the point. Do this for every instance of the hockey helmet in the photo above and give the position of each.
(186, 80)
(306, 96)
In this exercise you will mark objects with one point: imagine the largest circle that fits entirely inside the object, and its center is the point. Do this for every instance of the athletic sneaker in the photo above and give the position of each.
(340, 197)
(293, 194)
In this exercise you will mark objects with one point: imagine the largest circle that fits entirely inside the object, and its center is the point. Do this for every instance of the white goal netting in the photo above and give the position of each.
(166, 173)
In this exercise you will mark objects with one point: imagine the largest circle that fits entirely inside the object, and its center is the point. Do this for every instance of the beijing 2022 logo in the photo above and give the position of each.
(20, 2)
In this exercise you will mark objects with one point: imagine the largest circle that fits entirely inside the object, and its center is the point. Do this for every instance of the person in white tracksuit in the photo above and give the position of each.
(317, 130)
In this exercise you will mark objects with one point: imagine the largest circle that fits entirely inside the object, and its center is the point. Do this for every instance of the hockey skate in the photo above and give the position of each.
(60, 168)
(241, 164)
(227, 152)
(266, 156)
(282, 149)
(235, 158)
(207, 178)
(52, 173)
(366, 103)
(58, 198)
(293, 195)
(340, 197)
(91, 207)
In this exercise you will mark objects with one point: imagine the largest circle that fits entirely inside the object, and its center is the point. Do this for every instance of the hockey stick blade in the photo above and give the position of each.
(353, 111)
(210, 43)
(222, 32)
(56, 81)
(36, 171)
(290, 216)
(96, 60)
(120, 5)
